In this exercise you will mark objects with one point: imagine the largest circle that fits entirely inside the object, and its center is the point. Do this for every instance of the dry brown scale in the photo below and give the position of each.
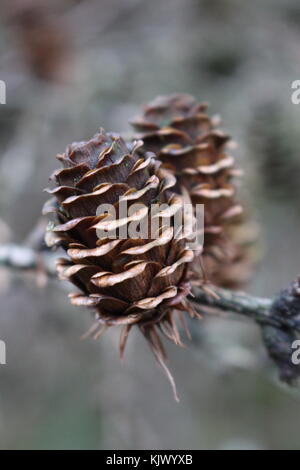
(188, 143)
(143, 282)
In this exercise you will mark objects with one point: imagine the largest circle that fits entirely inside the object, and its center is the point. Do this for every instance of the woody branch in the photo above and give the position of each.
(278, 319)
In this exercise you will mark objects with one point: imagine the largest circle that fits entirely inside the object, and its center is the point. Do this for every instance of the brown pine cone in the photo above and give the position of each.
(186, 140)
(142, 281)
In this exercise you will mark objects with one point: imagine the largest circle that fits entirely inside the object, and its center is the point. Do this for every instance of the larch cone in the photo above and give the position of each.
(134, 281)
(186, 139)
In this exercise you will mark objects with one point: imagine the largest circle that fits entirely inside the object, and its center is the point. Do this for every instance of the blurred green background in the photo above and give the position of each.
(71, 67)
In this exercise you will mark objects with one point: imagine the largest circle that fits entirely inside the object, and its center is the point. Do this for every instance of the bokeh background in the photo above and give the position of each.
(71, 66)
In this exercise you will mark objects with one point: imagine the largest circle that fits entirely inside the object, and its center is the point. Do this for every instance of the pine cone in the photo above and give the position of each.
(125, 281)
(186, 140)
(43, 42)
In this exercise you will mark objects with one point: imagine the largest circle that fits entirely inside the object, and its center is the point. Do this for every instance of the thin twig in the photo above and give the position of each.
(255, 308)
(278, 319)
(25, 258)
